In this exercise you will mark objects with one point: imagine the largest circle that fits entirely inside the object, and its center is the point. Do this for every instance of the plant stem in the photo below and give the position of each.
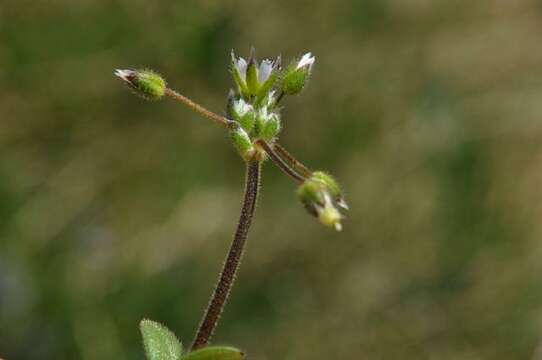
(292, 161)
(279, 98)
(279, 161)
(221, 120)
(227, 276)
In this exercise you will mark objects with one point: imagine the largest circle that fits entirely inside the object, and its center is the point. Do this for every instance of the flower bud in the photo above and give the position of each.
(243, 113)
(271, 127)
(242, 142)
(320, 194)
(145, 83)
(297, 75)
(319, 203)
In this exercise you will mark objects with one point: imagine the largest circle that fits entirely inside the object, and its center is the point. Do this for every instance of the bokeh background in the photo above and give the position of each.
(113, 209)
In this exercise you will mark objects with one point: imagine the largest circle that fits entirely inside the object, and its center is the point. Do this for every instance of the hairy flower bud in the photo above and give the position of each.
(320, 194)
(296, 76)
(242, 142)
(145, 83)
(243, 113)
(271, 127)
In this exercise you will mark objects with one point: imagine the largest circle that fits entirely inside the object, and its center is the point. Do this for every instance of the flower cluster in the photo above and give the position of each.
(259, 87)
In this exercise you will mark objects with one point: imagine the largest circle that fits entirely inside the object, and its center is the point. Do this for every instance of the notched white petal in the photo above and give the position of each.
(266, 67)
(242, 68)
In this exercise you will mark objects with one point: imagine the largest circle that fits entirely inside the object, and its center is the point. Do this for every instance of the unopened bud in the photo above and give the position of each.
(242, 142)
(271, 127)
(243, 113)
(297, 75)
(145, 83)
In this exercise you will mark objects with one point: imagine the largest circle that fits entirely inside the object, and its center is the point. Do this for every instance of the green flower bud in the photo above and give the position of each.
(267, 124)
(242, 142)
(320, 194)
(297, 74)
(243, 113)
(145, 83)
(271, 127)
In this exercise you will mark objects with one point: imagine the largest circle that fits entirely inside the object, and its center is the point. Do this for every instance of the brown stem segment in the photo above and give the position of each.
(279, 161)
(293, 162)
(227, 276)
(221, 120)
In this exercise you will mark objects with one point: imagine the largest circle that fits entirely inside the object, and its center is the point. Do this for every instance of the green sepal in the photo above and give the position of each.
(244, 115)
(247, 121)
(150, 84)
(242, 142)
(215, 353)
(294, 80)
(252, 78)
(241, 85)
(329, 182)
(263, 91)
(271, 127)
(159, 342)
(310, 192)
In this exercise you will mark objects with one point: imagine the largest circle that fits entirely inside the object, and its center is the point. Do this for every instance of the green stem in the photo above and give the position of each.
(279, 161)
(292, 161)
(227, 276)
(221, 120)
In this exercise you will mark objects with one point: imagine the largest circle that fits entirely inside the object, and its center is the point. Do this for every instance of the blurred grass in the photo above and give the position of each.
(114, 209)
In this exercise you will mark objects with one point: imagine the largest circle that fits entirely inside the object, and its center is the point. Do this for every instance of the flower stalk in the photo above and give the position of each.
(233, 259)
(220, 120)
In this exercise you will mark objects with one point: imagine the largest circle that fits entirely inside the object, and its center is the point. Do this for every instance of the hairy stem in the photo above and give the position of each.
(227, 276)
(279, 98)
(279, 161)
(292, 161)
(221, 120)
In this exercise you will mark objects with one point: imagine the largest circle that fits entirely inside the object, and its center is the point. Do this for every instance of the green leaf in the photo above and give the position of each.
(159, 342)
(215, 353)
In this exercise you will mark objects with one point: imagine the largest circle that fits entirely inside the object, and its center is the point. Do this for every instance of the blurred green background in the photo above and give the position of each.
(114, 209)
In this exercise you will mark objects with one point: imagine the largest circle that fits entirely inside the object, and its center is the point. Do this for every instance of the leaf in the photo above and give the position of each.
(215, 353)
(159, 342)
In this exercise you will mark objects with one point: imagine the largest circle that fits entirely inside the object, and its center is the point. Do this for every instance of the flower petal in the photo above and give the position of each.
(306, 61)
(266, 67)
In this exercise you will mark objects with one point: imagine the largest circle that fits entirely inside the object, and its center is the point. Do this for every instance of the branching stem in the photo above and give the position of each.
(221, 120)
(292, 161)
(227, 276)
(279, 161)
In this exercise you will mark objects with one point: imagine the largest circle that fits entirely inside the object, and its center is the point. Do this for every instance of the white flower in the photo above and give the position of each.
(263, 71)
(306, 61)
